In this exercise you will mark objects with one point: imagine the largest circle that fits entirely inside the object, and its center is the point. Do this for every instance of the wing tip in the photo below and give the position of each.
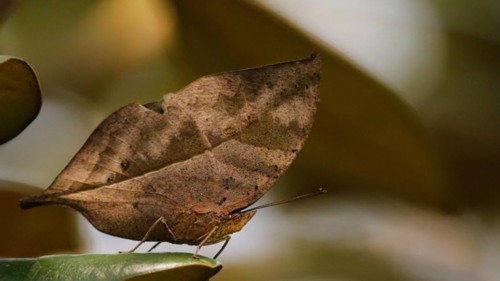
(36, 201)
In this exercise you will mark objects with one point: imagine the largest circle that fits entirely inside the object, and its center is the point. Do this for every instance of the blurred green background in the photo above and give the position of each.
(406, 138)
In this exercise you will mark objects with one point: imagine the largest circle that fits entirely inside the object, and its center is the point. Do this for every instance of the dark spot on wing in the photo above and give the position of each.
(222, 201)
(298, 89)
(125, 165)
(254, 83)
(228, 183)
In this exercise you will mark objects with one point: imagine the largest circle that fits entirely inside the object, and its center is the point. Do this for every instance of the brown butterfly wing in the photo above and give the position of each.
(213, 147)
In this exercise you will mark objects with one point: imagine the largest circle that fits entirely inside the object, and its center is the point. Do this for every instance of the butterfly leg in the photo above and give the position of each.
(226, 240)
(154, 246)
(207, 236)
(153, 226)
(164, 222)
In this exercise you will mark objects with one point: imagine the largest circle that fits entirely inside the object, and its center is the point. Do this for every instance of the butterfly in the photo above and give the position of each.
(184, 169)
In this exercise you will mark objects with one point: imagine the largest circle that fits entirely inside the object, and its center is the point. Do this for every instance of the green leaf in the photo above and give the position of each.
(146, 267)
(20, 98)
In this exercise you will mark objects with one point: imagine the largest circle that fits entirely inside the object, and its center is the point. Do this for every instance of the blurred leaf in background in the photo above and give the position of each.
(371, 139)
(463, 111)
(406, 138)
(5, 8)
(20, 97)
(27, 234)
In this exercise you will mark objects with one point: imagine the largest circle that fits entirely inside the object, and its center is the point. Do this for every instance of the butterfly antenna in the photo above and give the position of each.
(300, 197)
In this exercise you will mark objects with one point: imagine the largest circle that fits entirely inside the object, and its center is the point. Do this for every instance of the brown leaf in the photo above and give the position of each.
(196, 157)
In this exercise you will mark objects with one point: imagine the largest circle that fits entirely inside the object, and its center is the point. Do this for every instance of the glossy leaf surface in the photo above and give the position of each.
(147, 267)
